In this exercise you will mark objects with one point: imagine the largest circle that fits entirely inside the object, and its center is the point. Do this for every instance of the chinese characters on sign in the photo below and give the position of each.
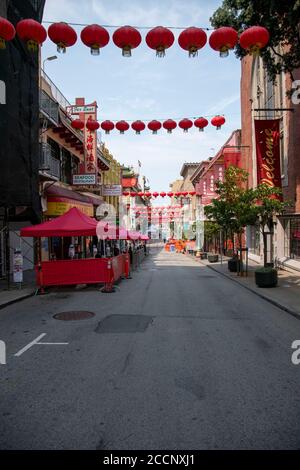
(90, 145)
(88, 170)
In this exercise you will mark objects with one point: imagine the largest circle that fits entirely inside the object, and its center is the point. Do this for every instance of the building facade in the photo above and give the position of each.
(204, 179)
(263, 99)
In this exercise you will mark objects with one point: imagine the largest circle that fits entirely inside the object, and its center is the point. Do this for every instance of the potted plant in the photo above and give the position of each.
(266, 277)
(212, 258)
(268, 205)
(232, 209)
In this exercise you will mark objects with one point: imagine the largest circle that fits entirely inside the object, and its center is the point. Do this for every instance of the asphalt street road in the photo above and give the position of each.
(178, 357)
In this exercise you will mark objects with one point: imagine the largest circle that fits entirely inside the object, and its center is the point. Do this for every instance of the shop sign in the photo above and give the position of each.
(58, 206)
(84, 179)
(111, 190)
(81, 109)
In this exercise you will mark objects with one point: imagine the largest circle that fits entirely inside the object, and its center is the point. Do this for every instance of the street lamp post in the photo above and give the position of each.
(52, 57)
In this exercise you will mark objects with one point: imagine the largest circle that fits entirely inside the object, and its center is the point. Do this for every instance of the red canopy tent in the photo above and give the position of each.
(79, 271)
(74, 223)
(71, 224)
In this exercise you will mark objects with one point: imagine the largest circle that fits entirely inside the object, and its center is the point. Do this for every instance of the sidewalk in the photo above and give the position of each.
(285, 296)
(15, 293)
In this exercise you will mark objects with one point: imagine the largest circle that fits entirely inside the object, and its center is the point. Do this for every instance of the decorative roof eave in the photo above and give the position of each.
(188, 165)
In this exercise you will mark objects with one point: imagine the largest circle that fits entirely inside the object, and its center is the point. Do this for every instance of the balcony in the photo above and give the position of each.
(52, 90)
(49, 107)
(47, 163)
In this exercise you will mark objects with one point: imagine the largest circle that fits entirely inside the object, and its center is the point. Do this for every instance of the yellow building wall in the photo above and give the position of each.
(112, 176)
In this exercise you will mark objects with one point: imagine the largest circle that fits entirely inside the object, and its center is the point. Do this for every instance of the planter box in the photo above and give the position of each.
(203, 255)
(266, 278)
(213, 258)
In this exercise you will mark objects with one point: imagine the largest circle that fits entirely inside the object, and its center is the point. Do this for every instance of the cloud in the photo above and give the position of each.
(224, 103)
(148, 13)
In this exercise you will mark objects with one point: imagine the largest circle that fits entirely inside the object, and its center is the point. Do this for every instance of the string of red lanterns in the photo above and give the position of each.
(160, 38)
(155, 194)
(138, 126)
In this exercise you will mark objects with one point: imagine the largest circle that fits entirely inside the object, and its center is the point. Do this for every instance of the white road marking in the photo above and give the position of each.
(51, 343)
(34, 342)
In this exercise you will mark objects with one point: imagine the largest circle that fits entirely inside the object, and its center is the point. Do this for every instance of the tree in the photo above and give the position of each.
(267, 206)
(280, 17)
(233, 209)
(212, 229)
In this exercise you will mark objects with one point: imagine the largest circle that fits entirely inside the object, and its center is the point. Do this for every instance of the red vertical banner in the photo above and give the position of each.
(90, 146)
(267, 138)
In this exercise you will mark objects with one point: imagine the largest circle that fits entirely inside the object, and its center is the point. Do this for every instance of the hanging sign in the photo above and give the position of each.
(268, 152)
(111, 190)
(84, 179)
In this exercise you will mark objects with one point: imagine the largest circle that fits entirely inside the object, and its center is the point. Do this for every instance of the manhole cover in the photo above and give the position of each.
(73, 315)
(124, 324)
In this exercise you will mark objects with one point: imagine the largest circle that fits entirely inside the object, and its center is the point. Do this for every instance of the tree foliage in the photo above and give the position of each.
(280, 17)
(233, 209)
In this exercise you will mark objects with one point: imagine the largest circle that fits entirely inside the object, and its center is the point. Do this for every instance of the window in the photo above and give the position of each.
(54, 148)
(253, 239)
(292, 238)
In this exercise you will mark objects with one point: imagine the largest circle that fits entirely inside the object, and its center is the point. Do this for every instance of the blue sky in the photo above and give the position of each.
(146, 87)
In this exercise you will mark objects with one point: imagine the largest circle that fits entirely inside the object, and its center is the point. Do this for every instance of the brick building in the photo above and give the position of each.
(262, 99)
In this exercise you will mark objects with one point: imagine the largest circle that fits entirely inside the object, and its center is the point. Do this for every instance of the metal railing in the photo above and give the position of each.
(56, 93)
(49, 106)
(47, 162)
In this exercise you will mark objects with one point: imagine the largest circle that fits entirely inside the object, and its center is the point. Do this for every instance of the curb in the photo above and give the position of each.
(262, 296)
(10, 302)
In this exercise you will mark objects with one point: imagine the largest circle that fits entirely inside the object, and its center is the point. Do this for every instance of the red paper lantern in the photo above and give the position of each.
(140, 194)
(63, 35)
(148, 194)
(77, 124)
(218, 121)
(107, 126)
(201, 123)
(170, 194)
(223, 39)
(95, 37)
(155, 194)
(163, 194)
(192, 193)
(122, 126)
(132, 194)
(160, 39)
(178, 194)
(126, 193)
(154, 126)
(169, 125)
(127, 38)
(31, 32)
(138, 126)
(7, 32)
(255, 38)
(192, 39)
(185, 124)
(92, 125)
(184, 193)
